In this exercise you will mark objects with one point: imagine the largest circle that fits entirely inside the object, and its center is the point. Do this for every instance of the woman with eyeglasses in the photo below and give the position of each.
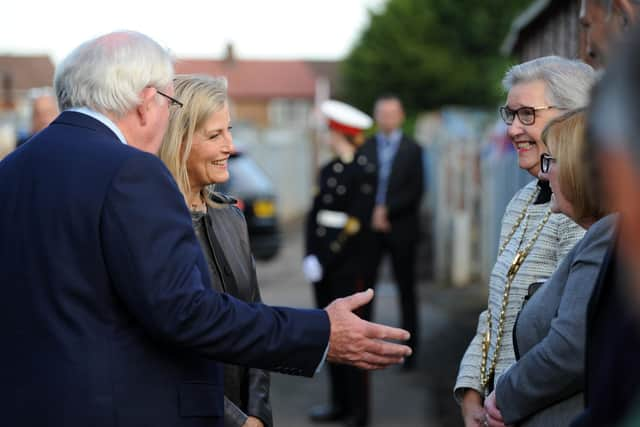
(545, 386)
(196, 149)
(533, 240)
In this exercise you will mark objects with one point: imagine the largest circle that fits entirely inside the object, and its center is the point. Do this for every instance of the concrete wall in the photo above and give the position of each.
(286, 156)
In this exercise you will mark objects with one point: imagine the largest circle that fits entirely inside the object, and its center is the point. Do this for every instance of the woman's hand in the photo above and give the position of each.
(494, 417)
(253, 422)
(473, 412)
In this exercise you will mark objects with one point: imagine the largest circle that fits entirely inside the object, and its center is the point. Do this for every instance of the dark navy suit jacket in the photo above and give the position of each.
(405, 188)
(612, 380)
(107, 315)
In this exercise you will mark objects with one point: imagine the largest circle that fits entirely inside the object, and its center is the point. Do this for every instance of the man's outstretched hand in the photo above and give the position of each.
(360, 343)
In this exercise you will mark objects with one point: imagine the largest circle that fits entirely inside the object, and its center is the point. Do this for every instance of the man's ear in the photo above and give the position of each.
(147, 99)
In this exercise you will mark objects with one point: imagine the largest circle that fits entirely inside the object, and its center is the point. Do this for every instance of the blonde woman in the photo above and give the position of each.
(196, 149)
(545, 386)
(533, 240)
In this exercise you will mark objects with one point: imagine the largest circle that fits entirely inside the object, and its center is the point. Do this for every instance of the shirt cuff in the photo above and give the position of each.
(324, 358)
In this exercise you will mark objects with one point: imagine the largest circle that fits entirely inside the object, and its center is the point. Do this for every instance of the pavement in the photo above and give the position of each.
(422, 397)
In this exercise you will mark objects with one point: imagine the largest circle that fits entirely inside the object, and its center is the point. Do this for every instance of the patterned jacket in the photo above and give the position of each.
(557, 238)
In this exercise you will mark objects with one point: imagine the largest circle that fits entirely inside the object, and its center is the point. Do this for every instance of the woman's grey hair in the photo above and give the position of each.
(568, 82)
(108, 73)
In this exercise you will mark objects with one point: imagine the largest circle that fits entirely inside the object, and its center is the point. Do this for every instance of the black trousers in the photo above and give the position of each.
(403, 265)
(349, 386)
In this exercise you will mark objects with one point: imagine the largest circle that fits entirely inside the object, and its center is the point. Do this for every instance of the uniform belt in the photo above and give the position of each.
(332, 219)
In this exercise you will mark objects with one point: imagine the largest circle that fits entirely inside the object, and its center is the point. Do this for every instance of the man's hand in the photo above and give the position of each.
(473, 412)
(253, 422)
(360, 343)
(494, 417)
(379, 220)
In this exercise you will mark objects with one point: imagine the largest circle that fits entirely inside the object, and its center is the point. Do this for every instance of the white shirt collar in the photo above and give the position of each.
(101, 118)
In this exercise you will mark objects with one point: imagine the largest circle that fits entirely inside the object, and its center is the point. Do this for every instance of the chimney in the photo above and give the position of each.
(229, 55)
(7, 89)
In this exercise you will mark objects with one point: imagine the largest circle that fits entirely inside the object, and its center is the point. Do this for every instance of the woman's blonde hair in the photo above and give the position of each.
(201, 96)
(565, 137)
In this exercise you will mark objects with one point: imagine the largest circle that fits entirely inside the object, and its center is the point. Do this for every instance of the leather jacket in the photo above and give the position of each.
(224, 238)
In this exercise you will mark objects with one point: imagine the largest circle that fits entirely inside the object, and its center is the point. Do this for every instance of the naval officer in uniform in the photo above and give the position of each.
(342, 205)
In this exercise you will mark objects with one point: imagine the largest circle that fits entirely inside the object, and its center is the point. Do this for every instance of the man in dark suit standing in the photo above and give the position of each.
(395, 223)
(107, 314)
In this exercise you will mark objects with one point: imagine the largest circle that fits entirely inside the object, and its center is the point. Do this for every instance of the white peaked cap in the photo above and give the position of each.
(345, 118)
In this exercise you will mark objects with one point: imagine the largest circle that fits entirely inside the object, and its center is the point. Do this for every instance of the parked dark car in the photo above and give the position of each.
(256, 197)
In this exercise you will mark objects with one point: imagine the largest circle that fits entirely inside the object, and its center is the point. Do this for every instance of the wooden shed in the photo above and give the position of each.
(546, 27)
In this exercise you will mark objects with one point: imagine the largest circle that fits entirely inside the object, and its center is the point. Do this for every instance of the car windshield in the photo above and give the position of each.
(246, 178)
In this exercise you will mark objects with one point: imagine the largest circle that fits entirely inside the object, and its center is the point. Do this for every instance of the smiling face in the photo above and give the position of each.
(526, 139)
(210, 150)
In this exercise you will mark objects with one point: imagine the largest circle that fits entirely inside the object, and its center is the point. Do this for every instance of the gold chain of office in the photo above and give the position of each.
(521, 255)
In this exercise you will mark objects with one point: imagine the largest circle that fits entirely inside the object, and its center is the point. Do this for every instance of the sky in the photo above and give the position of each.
(258, 29)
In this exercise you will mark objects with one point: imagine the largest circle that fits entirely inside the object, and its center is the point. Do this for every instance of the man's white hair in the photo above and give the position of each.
(108, 73)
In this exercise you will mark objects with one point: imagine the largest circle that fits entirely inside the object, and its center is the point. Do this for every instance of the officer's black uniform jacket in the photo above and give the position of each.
(341, 209)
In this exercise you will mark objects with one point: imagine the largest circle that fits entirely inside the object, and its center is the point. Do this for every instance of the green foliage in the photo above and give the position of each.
(431, 53)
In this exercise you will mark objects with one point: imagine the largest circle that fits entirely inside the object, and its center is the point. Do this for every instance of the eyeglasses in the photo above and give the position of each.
(526, 115)
(172, 101)
(545, 162)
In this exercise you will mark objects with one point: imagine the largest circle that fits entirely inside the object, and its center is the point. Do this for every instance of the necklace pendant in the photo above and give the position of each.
(516, 263)
(519, 259)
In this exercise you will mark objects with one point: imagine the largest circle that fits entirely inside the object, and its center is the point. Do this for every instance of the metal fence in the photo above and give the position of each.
(472, 175)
